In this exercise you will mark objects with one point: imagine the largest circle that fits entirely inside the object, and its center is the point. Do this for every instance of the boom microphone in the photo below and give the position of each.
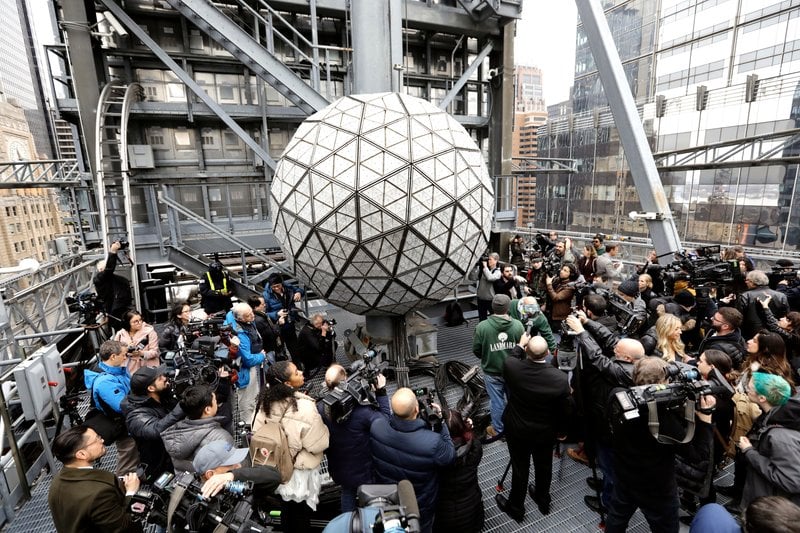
(408, 499)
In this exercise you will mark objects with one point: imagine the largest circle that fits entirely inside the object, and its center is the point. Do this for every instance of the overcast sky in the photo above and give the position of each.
(546, 39)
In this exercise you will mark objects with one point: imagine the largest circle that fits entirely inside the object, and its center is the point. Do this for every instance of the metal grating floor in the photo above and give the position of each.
(568, 512)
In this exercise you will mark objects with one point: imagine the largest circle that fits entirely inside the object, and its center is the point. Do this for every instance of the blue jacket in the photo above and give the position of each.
(275, 303)
(349, 456)
(407, 449)
(112, 384)
(248, 358)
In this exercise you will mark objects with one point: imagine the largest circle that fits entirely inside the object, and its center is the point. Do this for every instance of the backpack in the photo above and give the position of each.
(744, 413)
(269, 446)
(453, 314)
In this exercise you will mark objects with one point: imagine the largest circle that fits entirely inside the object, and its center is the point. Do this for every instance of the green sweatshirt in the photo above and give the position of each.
(539, 323)
(494, 339)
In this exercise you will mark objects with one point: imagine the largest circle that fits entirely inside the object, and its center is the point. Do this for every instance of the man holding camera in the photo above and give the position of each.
(218, 463)
(404, 447)
(112, 289)
(315, 345)
(83, 499)
(486, 272)
(251, 356)
(279, 298)
(349, 455)
(148, 415)
(536, 416)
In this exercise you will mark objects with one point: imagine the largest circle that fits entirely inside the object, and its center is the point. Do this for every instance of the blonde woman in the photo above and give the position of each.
(668, 339)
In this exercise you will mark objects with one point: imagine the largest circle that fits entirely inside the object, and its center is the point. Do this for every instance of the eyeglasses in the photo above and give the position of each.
(136, 321)
(95, 441)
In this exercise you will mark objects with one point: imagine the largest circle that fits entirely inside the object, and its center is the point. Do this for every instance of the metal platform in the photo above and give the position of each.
(568, 512)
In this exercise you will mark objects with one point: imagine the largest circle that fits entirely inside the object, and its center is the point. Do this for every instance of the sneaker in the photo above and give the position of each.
(578, 455)
(491, 432)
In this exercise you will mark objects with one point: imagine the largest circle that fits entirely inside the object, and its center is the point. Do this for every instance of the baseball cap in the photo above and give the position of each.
(144, 377)
(218, 453)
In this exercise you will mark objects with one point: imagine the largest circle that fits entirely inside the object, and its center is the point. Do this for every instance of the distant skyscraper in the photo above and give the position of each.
(530, 114)
(689, 66)
(528, 92)
(19, 74)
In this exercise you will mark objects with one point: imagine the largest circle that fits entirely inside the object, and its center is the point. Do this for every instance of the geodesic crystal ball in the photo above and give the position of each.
(382, 202)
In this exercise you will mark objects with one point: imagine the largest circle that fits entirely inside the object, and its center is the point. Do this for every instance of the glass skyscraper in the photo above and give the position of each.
(702, 72)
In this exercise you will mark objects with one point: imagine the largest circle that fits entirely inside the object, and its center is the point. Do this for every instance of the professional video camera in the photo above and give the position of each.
(627, 320)
(566, 352)
(87, 303)
(427, 411)
(704, 268)
(683, 391)
(783, 273)
(381, 509)
(213, 326)
(178, 500)
(338, 404)
(123, 243)
(551, 265)
(199, 364)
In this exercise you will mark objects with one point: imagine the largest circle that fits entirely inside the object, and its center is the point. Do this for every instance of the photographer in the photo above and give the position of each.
(315, 345)
(83, 499)
(509, 283)
(536, 279)
(270, 331)
(784, 279)
(517, 253)
(218, 463)
(216, 289)
(404, 447)
(628, 290)
(112, 289)
(174, 333)
(644, 467)
(486, 272)
(562, 253)
(200, 427)
(279, 299)
(251, 355)
(349, 456)
(594, 384)
(536, 416)
(559, 294)
(141, 340)
(788, 328)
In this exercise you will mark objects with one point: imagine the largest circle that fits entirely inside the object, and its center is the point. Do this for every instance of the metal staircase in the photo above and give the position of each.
(251, 53)
(481, 10)
(112, 183)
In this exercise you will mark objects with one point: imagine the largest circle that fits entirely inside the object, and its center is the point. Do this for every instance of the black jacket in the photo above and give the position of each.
(790, 338)
(314, 349)
(538, 399)
(694, 461)
(146, 420)
(113, 289)
(732, 344)
(269, 331)
(460, 505)
(752, 310)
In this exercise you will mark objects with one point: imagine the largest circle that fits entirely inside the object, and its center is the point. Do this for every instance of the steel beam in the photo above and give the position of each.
(184, 76)
(377, 45)
(477, 62)
(634, 141)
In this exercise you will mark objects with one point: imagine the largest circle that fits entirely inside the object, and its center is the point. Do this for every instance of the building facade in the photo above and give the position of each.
(702, 72)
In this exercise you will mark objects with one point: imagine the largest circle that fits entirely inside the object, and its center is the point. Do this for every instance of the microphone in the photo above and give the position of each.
(408, 499)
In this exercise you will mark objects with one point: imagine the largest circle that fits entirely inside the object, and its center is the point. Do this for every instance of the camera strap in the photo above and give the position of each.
(174, 501)
(654, 426)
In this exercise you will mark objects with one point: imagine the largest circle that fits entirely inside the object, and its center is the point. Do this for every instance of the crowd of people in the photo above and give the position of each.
(630, 329)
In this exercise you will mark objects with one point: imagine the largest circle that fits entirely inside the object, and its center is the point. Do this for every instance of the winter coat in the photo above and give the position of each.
(694, 465)
(307, 434)
(538, 324)
(752, 310)
(146, 337)
(111, 384)
(313, 349)
(408, 449)
(485, 277)
(493, 340)
(275, 302)
(586, 266)
(113, 289)
(349, 455)
(649, 340)
(773, 463)
(168, 338)
(460, 504)
(146, 420)
(731, 343)
(604, 266)
(790, 338)
(215, 292)
(559, 299)
(89, 500)
(250, 348)
(185, 438)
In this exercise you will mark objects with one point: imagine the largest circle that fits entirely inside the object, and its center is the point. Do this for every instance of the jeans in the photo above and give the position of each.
(606, 463)
(661, 515)
(348, 499)
(496, 388)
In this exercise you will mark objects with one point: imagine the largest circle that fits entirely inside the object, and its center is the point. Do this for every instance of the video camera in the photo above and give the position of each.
(783, 273)
(427, 412)
(87, 303)
(627, 320)
(181, 496)
(381, 509)
(213, 326)
(566, 352)
(339, 403)
(703, 268)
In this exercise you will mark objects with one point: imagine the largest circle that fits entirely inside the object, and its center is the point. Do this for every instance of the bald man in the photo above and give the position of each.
(537, 411)
(598, 378)
(349, 457)
(404, 447)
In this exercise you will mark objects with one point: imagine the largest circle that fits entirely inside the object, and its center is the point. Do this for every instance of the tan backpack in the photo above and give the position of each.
(744, 413)
(269, 446)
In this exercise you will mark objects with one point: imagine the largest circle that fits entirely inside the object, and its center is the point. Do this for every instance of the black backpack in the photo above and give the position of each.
(453, 314)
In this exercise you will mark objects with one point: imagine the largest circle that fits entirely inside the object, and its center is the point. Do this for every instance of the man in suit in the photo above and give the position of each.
(536, 415)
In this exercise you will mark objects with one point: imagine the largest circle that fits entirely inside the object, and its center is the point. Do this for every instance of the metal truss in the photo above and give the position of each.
(778, 148)
(543, 165)
(44, 173)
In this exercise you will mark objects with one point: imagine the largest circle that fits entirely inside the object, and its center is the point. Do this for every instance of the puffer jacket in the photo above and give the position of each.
(111, 384)
(146, 420)
(460, 504)
(559, 299)
(306, 432)
(694, 465)
(732, 344)
(148, 338)
(185, 438)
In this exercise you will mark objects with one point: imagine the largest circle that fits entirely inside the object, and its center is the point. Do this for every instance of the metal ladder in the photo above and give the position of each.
(112, 184)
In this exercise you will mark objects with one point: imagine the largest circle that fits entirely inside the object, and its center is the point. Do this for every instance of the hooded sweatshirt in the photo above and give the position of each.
(493, 341)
